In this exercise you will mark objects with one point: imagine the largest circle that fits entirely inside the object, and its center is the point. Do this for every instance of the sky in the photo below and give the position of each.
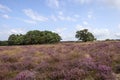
(65, 17)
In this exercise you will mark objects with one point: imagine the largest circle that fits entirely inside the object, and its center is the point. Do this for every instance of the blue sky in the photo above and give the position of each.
(65, 17)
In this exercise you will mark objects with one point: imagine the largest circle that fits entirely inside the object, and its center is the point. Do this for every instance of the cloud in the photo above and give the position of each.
(4, 8)
(17, 31)
(82, 1)
(60, 13)
(102, 33)
(60, 30)
(7, 30)
(112, 3)
(54, 18)
(4, 16)
(117, 35)
(85, 23)
(79, 27)
(119, 26)
(63, 17)
(77, 16)
(89, 16)
(34, 15)
(99, 33)
(30, 21)
(65, 34)
(53, 3)
(66, 18)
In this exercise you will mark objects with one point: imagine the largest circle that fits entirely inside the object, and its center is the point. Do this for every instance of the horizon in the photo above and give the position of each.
(65, 17)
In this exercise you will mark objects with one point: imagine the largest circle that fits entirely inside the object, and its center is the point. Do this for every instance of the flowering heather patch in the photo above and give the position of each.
(62, 61)
(25, 75)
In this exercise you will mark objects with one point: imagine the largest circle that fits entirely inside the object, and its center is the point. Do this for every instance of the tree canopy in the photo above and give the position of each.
(84, 35)
(34, 37)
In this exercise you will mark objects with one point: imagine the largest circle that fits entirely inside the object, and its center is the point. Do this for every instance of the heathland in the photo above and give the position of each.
(61, 61)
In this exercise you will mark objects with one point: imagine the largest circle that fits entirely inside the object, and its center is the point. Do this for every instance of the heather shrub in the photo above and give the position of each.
(97, 70)
(104, 73)
(25, 75)
(7, 58)
(117, 68)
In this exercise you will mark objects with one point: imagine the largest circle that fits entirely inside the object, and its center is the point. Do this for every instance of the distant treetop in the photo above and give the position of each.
(84, 35)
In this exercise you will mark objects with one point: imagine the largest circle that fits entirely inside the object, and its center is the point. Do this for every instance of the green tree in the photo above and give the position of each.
(41, 37)
(32, 37)
(51, 37)
(16, 39)
(11, 39)
(3, 43)
(19, 40)
(84, 35)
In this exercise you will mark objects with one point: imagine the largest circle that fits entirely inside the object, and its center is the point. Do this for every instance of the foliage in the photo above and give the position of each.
(34, 37)
(16, 39)
(84, 35)
(3, 43)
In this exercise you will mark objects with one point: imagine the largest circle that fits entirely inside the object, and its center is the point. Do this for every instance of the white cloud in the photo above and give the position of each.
(77, 16)
(5, 16)
(80, 27)
(60, 30)
(60, 13)
(85, 23)
(70, 18)
(119, 26)
(53, 3)
(89, 16)
(34, 15)
(66, 18)
(117, 35)
(102, 33)
(83, 1)
(99, 33)
(6, 33)
(62, 17)
(7, 30)
(53, 18)
(4, 8)
(17, 31)
(65, 34)
(30, 21)
(68, 36)
(112, 3)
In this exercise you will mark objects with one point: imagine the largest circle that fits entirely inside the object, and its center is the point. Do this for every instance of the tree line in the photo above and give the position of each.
(44, 37)
(32, 37)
